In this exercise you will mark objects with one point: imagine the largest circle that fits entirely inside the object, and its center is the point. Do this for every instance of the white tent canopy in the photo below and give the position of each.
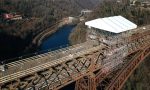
(115, 24)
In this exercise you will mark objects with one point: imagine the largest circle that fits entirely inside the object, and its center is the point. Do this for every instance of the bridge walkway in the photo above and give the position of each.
(37, 63)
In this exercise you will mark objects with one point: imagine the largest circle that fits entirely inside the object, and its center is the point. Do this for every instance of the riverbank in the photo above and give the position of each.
(37, 40)
(49, 30)
(78, 35)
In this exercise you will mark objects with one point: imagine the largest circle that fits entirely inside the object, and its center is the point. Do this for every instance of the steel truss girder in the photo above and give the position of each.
(57, 76)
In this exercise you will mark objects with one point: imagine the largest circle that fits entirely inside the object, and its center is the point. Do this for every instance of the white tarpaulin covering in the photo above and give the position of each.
(115, 24)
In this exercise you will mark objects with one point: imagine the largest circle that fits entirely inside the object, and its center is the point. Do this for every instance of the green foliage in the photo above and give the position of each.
(78, 35)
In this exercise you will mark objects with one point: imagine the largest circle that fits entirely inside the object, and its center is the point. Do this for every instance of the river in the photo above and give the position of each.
(57, 40)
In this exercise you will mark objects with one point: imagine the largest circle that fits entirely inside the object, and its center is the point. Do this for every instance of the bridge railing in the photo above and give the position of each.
(44, 58)
(53, 64)
(52, 51)
(35, 53)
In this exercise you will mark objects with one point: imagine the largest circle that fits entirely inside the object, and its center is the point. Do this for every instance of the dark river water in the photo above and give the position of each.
(57, 40)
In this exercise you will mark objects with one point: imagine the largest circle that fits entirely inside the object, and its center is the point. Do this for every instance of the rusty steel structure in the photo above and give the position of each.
(105, 66)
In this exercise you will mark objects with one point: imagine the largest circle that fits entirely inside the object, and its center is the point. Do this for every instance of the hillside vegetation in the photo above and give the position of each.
(39, 14)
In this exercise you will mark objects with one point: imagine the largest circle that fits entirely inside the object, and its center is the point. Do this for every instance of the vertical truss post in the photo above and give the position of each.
(86, 83)
(92, 82)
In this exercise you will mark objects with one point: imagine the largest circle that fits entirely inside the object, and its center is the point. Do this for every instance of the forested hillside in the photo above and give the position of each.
(41, 13)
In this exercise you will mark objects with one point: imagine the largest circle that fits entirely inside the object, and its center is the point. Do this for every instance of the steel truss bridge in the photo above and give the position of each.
(92, 67)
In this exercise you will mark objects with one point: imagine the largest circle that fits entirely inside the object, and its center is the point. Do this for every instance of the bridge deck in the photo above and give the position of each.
(41, 62)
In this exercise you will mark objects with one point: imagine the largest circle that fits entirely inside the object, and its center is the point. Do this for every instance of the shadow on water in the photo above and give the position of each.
(11, 46)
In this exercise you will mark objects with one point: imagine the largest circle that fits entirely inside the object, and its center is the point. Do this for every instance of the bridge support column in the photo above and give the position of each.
(86, 83)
